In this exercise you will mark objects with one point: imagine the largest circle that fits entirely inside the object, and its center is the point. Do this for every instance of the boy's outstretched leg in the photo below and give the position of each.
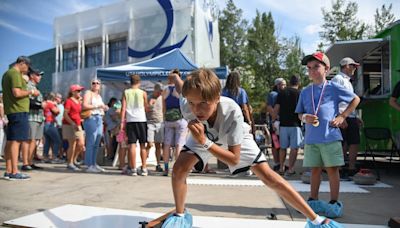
(289, 194)
(181, 217)
(283, 188)
(182, 167)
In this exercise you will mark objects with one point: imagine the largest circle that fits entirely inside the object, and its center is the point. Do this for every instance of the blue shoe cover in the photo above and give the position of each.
(331, 224)
(175, 221)
(318, 206)
(334, 210)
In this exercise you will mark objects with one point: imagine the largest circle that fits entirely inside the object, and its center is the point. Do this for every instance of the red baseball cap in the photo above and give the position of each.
(319, 56)
(76, 87)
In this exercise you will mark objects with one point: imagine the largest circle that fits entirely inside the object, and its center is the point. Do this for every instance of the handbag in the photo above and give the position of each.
(86, 114)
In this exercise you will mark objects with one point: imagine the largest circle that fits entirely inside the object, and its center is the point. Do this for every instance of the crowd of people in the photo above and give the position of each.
(71, 130)
(193, 119)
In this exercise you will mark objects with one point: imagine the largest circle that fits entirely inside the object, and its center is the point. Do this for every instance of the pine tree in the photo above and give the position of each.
(292, 56)
(262, 54)
(341, 22)
(232, 30)
(383, 18)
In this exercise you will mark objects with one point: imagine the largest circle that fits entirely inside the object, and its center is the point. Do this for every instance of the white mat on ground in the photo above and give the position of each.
(83, 216)
(345, 186)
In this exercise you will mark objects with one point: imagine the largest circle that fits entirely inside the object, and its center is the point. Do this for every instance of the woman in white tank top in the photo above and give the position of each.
(93, 125)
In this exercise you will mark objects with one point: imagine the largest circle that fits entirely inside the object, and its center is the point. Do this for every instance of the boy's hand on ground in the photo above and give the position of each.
(197, 130)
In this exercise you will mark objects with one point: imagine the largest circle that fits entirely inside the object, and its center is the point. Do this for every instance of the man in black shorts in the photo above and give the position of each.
(351, 126)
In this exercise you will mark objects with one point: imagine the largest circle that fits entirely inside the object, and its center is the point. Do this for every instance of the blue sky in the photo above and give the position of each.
(26, 26)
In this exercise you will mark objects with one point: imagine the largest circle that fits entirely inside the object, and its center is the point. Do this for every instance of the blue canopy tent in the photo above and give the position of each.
(155, 69)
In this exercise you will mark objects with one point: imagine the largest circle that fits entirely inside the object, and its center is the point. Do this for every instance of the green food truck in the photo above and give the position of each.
(377, 75)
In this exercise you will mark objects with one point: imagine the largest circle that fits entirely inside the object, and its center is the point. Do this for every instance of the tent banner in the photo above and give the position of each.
(152, 75)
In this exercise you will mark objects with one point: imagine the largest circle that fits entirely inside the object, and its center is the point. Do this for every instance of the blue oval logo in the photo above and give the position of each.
(158, 49)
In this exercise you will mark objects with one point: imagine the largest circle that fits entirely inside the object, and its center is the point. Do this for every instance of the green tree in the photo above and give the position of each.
(383, 18)
(292, 56)
(232, 30)
(341, 22)
(262, 55)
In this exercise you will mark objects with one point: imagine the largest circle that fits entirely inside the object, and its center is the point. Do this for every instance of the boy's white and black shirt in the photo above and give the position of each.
(229, 130)
(229, 126)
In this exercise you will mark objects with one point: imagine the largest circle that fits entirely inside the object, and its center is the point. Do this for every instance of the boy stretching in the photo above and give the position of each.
(217, 128)
(318, 108)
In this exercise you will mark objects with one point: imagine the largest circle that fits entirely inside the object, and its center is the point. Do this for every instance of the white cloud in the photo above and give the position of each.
(367, 9)
(22, 31)
(298, 10)
(62, 8)
(310, 46)
(312, 29)
(33, 14)
(45, 12)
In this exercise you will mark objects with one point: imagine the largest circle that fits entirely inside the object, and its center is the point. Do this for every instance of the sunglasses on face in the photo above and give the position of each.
(95, 83)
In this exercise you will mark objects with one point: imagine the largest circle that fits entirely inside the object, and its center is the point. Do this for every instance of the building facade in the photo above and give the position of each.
(132, 31)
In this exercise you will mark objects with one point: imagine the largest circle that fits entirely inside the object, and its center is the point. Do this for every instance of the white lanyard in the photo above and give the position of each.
(315, 110)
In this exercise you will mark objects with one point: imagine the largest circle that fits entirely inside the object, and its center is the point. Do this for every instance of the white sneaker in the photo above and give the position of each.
(133, 172)
(92, 169)
(249, 173)
(73, 167)
(100, 169)
(143, 172)
(57, 161)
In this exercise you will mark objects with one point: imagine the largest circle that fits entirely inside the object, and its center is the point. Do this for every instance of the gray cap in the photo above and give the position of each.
(278, 81)
(348, 61)
(157, 86)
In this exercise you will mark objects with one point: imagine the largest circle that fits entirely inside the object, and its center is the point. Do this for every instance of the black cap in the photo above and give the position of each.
(34, 71)
(23, 59)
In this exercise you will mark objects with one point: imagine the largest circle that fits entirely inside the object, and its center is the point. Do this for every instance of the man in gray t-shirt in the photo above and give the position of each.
(155, 128)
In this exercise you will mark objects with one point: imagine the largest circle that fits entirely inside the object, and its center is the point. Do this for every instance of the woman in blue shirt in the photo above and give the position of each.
(233, 90)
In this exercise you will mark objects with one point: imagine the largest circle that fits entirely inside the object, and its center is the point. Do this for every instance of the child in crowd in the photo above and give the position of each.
(122, 139)
(318, 108)
(217, 128)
